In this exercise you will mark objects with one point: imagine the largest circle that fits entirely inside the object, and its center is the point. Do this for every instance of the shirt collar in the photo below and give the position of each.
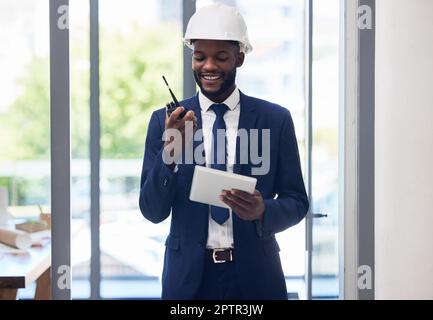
(232, 101)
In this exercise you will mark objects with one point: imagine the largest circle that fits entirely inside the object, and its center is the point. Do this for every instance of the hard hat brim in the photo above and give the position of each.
(245, 47)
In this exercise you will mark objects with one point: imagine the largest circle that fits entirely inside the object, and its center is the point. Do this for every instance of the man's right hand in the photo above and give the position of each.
(174, 146)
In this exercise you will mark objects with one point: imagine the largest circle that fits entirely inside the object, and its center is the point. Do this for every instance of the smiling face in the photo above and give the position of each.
(214, 64)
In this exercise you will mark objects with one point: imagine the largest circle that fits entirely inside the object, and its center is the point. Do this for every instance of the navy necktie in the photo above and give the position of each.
(219, 144)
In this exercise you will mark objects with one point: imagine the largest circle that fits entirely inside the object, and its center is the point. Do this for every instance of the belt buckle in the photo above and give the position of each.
(214, 253)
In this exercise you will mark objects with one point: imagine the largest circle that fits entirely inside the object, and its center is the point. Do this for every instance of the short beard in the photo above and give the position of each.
(227, 83)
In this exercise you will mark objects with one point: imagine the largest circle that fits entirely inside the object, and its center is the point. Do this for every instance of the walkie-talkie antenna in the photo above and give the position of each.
(171, 92)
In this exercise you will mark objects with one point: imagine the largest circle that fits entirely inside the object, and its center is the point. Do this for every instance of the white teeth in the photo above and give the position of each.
(211, 77)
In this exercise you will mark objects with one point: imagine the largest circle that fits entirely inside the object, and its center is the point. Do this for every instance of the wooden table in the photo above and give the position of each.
(20, 270)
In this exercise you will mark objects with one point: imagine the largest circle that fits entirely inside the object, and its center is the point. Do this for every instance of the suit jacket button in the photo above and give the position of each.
(165, 182)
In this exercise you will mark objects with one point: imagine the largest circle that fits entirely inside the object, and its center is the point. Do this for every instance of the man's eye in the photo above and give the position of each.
(222, 59)
(198, 58)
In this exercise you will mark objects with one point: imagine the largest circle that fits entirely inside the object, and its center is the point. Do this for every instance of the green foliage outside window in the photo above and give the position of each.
(131, 89)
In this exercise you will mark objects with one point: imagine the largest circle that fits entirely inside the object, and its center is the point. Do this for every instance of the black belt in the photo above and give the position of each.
(221, 255)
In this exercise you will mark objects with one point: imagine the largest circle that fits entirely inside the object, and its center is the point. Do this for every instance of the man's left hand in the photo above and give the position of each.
(247, 206)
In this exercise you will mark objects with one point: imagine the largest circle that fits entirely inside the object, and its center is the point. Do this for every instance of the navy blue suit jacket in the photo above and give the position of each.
(257, 258)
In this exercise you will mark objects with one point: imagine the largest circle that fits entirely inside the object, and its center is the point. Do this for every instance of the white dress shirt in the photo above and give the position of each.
(220, 236)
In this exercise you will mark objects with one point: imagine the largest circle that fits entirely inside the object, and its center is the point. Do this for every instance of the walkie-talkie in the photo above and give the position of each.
(174, 104)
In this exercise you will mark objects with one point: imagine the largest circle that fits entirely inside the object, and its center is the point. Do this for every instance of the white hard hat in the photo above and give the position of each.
(218, 22)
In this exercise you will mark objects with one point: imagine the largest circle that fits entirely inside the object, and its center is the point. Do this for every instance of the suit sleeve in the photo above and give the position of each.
(291, 204)
(158, 182)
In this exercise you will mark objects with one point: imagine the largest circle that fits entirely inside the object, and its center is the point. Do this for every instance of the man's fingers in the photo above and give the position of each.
(176, 113)
(239, 202)
(173, 117)
(245, 196)
(177, 123)
(189, 116)
(239, 210)
(257, 193)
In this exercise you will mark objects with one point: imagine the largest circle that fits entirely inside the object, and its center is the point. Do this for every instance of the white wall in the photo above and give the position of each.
(404, 149)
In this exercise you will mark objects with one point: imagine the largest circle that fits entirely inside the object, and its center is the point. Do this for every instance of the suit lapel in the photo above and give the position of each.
(195, 106)
(247, 121)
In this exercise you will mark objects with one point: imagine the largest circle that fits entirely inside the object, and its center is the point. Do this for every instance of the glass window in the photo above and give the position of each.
(25, 109)
(79, 33)
(140, 42)
(325, 177)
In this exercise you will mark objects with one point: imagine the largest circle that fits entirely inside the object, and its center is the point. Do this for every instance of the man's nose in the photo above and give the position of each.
(209, 65)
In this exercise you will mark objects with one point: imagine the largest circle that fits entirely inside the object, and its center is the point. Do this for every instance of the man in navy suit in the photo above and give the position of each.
(212, 252)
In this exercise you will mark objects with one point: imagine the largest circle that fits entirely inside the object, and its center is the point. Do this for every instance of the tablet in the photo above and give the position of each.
(207, 185)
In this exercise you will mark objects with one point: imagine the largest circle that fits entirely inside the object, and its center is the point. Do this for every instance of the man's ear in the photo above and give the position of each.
(240, 57)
